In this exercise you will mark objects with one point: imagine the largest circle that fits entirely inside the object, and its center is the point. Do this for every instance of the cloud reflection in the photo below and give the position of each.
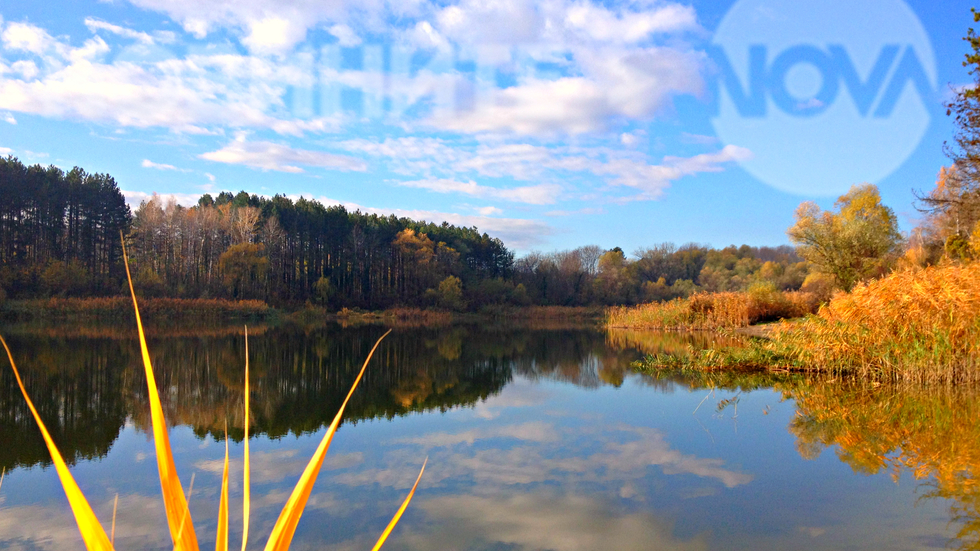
(534, 432)
(274, 466)
(545, 454)
(543, 520)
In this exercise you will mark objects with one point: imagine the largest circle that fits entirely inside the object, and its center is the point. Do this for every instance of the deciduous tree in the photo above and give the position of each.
(858, 242)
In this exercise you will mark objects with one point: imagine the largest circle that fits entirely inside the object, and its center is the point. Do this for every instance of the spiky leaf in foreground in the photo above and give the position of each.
(282, 533)
(92, 532)
(173, 494)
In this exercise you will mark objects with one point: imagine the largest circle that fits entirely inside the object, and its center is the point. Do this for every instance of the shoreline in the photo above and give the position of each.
(173, 312)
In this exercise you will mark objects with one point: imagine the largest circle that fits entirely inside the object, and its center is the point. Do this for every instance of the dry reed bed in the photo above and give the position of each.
(918, 325)
(121, 307)
(118, 331)
(711, 311)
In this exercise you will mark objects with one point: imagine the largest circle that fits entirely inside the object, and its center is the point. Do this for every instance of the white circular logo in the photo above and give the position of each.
(824, 93)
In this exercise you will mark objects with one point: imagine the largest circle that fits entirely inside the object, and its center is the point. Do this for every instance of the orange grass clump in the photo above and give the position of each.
(918, 324)
(175, 503)
(710, 311)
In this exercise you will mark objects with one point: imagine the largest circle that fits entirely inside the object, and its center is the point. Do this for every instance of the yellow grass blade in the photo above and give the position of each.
(92, 532)
(173, 495)
(112, 533)
(398, 515)
(222, 536)
(282, 533)
(247, 492)
(3, 473)
(183, 519)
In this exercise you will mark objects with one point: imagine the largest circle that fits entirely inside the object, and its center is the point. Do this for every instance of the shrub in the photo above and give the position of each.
(820, 285)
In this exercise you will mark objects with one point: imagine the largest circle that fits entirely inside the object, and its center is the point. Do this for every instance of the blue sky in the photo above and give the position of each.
(548, 124)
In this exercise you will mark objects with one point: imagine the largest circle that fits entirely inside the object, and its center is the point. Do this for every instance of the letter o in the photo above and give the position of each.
(806, 107)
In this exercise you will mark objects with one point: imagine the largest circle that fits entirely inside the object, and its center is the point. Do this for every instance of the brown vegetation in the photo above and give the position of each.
(711, 311)
(914, 324)
(163, 309)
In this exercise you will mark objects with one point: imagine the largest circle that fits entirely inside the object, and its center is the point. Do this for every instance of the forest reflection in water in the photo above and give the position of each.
(88, 387)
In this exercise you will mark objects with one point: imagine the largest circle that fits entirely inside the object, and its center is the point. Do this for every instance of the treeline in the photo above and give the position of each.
(590, 275)
(249, 247)
(289, 253)
(59, 237)
(59, 231)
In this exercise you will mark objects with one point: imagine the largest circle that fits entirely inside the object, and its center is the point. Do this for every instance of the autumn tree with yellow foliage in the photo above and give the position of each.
(858, 242)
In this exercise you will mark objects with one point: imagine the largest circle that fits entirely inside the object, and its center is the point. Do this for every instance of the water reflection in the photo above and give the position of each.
(929, 432)
(538, 439)
(86, 387)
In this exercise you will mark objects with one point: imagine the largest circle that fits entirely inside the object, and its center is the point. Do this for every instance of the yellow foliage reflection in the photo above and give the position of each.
(931, 432)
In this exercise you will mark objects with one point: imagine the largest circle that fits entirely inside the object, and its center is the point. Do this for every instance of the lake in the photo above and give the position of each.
(536, 438)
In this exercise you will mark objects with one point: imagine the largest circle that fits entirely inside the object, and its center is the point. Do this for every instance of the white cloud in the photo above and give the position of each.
(516, 233)
(8, 118)
(273, 34)
(92, 50)
(27, 68)
(423, 35)
(6, 151)
(652, 180)
(442, 164)
(27, 37)
(266, 26)
(345, 35)
(502, 21)
(161, 166)
(629, 139)
(410, 155)
(134, 198)
(273, 156)
(185, 95)
(542, 194)
(609, 67)
(617, 84)
(709, 162)
(488, 211)
(607, 71)
(95, 24)
(602, 24)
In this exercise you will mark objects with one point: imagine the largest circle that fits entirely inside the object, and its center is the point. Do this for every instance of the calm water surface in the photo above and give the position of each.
(537, 440)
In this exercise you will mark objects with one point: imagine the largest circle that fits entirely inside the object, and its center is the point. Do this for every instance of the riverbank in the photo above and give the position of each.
(121, 308)
(106, 313)
(917, 325)
(553, 317)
